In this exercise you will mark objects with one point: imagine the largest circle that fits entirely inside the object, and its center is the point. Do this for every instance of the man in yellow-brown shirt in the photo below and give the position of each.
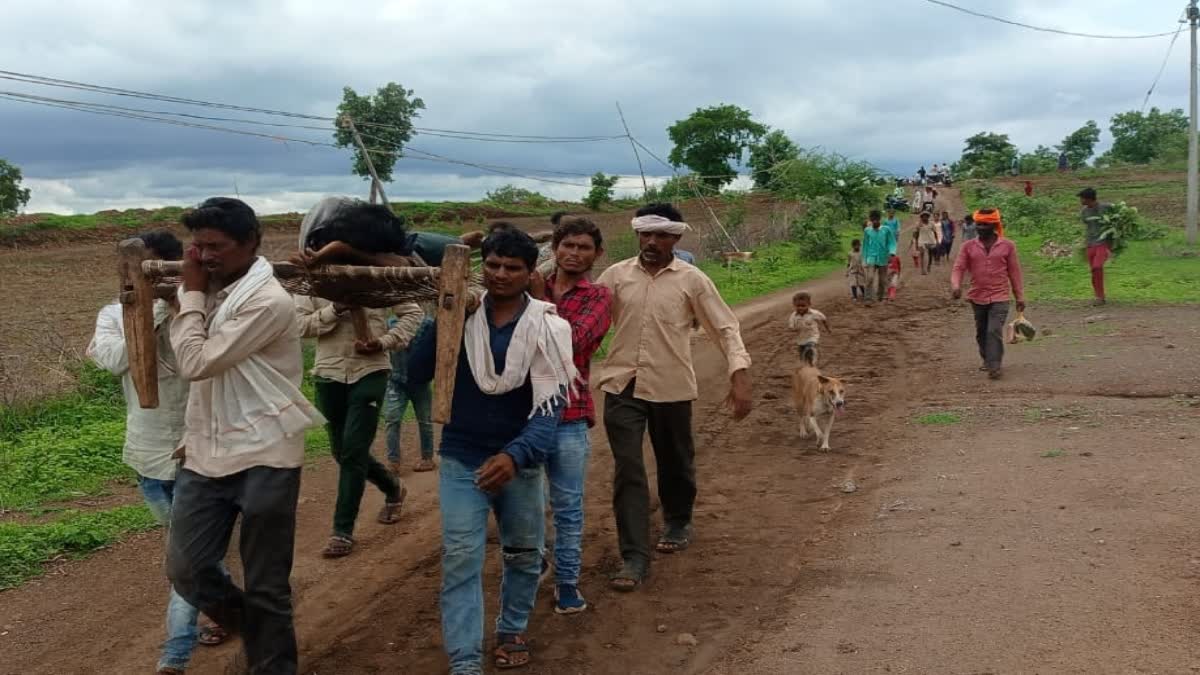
(649, 382)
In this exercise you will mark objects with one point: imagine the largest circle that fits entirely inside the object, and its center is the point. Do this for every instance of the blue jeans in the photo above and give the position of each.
(394, 403)
(566, 470)
(181, 617)
(520, 517)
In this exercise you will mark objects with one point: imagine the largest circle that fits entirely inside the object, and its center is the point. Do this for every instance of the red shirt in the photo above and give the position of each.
(992, 272)
(588, 308)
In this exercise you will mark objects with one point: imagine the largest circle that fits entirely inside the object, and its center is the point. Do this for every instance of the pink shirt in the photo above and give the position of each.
(991, 271)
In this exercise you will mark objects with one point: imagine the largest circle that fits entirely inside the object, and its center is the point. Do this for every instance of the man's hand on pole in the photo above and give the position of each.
(195, 277)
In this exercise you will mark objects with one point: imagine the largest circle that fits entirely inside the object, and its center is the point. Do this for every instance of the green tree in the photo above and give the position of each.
(710, 138)
(13, 197)
(774, 148)
(1080, 144)
(601, 192)
(1041, 160)
(986, 154)
(1139, 138)
(385, 122)
(813, 174)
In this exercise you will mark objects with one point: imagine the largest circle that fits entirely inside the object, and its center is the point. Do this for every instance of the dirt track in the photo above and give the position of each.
(962, 550)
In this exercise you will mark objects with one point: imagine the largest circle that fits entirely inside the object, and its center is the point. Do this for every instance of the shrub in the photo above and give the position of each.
(601, 192)
(815, 232)
(1123, 223)
(513, 195)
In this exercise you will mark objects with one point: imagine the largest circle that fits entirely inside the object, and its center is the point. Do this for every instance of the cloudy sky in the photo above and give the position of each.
(895, 82)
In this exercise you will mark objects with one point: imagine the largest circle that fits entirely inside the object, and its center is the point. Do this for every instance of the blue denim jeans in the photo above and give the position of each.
(520, 516)
(394, 404)
(566, 471)
(181, 617)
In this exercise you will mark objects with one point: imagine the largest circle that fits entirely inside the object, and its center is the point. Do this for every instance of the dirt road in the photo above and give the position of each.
(1044, 528)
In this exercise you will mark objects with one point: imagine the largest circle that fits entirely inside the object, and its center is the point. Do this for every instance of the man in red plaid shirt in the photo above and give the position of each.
(577, 243)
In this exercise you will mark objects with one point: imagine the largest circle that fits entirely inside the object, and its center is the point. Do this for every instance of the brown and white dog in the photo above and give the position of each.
(815, 394)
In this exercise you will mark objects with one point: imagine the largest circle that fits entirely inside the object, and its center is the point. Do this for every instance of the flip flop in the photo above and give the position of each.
(630, 577)
(675, 540)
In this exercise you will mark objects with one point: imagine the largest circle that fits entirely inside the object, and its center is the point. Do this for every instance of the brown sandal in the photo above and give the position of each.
(512, 651)
(390, 513)
(339, 546)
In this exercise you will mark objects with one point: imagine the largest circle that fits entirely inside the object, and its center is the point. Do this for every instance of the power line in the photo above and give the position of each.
(992, 17)
(515, 172)
(1166, 58)
(131, 93)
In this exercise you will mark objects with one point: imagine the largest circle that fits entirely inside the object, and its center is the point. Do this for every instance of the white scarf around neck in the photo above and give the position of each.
(540, 349)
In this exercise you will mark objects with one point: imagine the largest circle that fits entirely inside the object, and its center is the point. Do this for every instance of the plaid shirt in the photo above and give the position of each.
(588, 308)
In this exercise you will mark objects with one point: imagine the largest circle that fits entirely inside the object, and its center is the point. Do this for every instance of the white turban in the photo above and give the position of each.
(659, 224)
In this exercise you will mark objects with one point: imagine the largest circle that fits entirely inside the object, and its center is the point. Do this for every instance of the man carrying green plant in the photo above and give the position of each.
(151, 437)
(1099, 248)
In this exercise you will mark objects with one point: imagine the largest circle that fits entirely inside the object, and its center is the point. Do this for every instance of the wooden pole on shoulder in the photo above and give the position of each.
(137, 316)
(451, 316)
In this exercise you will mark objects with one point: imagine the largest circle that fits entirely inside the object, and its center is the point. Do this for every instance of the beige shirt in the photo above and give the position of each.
(265, 327)
(807, 326)
(336, 359)
(652, 317)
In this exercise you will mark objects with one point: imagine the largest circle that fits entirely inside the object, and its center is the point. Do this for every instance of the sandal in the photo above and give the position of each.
(631, 576)
(675, 540)
(424, 465)
(339, 546)
(512, 651)
(210, 634)
(390, 513)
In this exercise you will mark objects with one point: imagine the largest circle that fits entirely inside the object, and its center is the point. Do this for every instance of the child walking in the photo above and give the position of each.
(914, 249)
(856, 272)
(893, 277)
(807, 322)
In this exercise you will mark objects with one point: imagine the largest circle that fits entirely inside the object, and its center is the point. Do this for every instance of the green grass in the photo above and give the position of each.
(66, 448)
(941, 419)
(772, 268)
(25, 548)
(1057, 452)
(1149, 271)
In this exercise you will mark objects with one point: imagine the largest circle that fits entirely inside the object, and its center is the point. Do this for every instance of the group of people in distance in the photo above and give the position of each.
(227, 440)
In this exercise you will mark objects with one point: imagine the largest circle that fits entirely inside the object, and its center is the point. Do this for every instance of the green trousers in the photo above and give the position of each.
(352, 411)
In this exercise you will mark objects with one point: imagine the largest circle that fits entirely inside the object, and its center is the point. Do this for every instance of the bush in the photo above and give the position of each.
(815, 232)
(677, 189)
(512, 195)
(601, 192)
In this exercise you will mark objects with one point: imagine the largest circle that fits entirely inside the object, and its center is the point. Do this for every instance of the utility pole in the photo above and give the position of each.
(1193, 186)
(645, 188)
(376, 184)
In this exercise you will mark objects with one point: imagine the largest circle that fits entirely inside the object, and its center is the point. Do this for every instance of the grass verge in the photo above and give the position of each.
(1160, 270)
(24, 549)
(70, 447)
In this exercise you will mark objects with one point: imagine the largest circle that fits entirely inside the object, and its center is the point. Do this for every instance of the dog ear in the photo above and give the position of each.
(822, 379)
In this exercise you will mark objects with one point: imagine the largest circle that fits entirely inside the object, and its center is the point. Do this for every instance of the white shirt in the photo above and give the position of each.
(807, 326)
(151, 436)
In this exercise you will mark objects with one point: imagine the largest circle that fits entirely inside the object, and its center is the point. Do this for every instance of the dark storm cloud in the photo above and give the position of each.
(897, 83)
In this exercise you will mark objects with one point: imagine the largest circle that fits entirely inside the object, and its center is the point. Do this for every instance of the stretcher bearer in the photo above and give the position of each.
(648, 381)
(236, 340)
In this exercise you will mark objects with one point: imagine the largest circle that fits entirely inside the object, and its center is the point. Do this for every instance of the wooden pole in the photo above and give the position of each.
(451, 316)
(137, 316)
(636, 155)
(376, 183)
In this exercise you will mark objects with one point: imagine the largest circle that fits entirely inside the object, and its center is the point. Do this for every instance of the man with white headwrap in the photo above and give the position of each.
(648, 381)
